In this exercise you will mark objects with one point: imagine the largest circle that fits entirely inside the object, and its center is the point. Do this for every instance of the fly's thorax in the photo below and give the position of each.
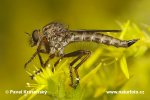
(57, 49)
(53, 38)
(54, 28)
(57, 44)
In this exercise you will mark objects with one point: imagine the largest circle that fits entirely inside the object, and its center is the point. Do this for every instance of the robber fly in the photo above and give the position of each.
(54, 37)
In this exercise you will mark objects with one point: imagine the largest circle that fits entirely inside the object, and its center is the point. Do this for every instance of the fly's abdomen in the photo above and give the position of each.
(108, 40)
(101, 38)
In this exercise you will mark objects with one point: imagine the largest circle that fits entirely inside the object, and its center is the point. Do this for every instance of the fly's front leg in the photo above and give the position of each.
(37, 72)
(33, 56)
(42, 62)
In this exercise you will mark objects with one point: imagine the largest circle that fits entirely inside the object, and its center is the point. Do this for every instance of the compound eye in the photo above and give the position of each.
(35, 36)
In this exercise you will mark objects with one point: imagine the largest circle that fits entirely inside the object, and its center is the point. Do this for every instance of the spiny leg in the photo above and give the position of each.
(70, 69)
(37, 72)
(33, 56)
(42, 64)
(72, 54)
(70, 66)
(80, 54)
(50, 57)
(85, 52)
(40, 58)
(25, 66)
(38, 51)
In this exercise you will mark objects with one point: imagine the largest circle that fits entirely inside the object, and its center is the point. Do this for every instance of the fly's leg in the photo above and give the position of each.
(41, 60)
(71, 64)
(56, 63)
(33, 56)
(36, 73)
(70, 69)
(87, 53)
(38, 51)
(50, 57)
(80, 54)
(25, 66)
(72, 54)
(42, 63)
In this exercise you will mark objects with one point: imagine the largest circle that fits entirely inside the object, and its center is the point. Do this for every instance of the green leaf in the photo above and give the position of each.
(124, 67)
(90, 74)
(124, 29)
(93, 58)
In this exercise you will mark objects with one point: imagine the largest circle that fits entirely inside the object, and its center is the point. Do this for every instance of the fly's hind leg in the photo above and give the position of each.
(72, 54)
(86, 55)
(80, 54)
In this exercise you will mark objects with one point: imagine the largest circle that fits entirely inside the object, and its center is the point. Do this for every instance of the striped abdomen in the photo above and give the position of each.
(101, 38)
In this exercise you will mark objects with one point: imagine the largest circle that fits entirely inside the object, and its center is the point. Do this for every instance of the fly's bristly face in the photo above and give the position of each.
(34, 38)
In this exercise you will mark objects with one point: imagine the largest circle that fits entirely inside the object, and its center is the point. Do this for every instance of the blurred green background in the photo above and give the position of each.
(20, 16)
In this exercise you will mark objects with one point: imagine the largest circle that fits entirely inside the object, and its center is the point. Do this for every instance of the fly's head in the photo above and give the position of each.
(55, 29)
(34, 37)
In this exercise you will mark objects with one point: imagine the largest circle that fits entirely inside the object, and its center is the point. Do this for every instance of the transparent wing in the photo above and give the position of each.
(83, 30)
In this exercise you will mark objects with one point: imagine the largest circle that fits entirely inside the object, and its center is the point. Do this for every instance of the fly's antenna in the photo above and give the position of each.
(29, 38)
(27, 33)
